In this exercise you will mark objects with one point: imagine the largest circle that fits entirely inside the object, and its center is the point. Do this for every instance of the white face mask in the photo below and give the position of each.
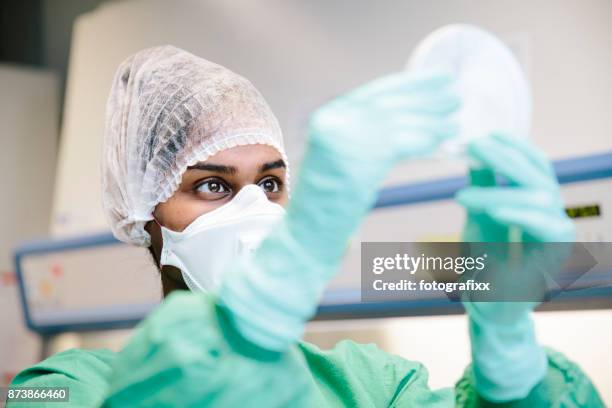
(205, 248)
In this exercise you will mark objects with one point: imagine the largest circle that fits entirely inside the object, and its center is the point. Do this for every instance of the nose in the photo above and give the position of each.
(249, 194)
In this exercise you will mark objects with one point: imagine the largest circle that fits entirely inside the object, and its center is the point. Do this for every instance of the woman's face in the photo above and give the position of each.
(211, 184)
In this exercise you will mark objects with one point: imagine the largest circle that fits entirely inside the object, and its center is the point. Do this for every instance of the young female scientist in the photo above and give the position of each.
(194, 169)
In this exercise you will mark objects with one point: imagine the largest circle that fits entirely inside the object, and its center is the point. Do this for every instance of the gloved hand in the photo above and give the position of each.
(353, 142)
(507, 360)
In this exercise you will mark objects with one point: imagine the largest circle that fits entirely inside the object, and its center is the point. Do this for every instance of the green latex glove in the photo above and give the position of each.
(532, 202)
(353, 143)
(507, 360)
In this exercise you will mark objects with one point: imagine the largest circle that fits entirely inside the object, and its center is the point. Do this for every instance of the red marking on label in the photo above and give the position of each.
(56, 270)
(8, 278)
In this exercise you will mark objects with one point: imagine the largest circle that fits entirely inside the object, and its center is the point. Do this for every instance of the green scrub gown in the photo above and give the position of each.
(187, 354)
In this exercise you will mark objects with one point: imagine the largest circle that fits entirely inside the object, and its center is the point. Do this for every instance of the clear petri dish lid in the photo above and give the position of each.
(494, 91)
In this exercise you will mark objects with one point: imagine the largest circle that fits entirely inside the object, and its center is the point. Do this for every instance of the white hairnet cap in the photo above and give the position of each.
(166, 111)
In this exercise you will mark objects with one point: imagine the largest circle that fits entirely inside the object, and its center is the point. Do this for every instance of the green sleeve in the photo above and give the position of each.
(359, 375)
(565, 385)
(84, 372)
(186, 353)
(362, 375)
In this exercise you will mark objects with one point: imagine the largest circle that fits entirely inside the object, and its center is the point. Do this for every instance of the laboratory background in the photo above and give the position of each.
(65, 282)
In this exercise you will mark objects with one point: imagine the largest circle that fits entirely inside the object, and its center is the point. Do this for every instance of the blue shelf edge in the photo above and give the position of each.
(568, 171)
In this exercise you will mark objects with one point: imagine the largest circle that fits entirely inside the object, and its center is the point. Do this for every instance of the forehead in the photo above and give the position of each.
(248, 160)
(247, 155)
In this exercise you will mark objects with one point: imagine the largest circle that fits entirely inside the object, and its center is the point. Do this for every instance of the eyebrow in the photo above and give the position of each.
(217, 168)
(273, 165)
(230, 170)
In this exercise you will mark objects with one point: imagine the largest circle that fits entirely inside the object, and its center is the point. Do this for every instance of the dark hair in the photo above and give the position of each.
(154, 257)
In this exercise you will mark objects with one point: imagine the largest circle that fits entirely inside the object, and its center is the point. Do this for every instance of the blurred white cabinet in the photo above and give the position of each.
(28, 134)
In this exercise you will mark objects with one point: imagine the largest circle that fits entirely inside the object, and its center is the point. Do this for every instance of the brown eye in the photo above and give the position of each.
(212, 187)
(270, 185)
